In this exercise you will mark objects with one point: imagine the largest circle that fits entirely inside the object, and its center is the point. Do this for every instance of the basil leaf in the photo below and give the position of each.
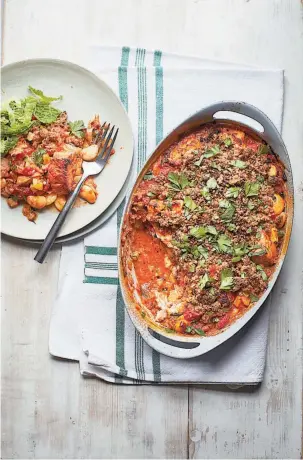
(77, 127)
(238, 164)
(251, 188)
(226, 279)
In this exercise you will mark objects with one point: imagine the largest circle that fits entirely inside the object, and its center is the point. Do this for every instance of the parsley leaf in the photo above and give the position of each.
(224, 244)
(76, 128)
(251, 188)
(212, 151)
(226, 279)
(250, 205)
(203, 252)
(38, 156)
(211, 183)
(189, 203)
(232, 192)
(238, 164)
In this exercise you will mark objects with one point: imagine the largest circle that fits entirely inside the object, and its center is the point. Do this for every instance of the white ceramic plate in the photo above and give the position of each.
(84, 95)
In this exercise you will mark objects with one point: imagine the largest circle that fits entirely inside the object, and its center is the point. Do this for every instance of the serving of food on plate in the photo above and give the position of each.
(204, 230)
(42, 153)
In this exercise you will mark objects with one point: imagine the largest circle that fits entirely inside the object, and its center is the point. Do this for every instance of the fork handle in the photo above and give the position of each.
(52, 234)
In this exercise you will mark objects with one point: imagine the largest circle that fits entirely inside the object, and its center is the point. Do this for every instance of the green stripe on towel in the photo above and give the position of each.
(100, 280)
(101, 266)
(120, 307)
(100, 251)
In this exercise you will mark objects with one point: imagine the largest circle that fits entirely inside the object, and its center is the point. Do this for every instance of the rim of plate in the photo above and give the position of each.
(120, 192)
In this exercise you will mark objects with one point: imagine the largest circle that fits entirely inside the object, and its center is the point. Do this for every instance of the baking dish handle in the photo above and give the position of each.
(177, 350)
(271, 135)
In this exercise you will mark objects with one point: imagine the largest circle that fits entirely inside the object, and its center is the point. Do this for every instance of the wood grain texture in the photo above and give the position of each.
(48, 410)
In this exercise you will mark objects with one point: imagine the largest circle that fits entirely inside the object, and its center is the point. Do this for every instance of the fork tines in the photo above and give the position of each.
(108, 146)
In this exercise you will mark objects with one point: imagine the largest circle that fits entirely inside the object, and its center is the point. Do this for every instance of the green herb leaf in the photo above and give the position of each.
(7, 144)
(205, 193)
(212, 151)
(215, 166)
(253, 298)
(260, 179)
(188, 329)
(233, 192)
(262, 272)
(239, 251)
(211, 230)
(38, 156)
(189, 203)
(77, 127)
(205, 281)
(250, 205)
(251, 188)
(198, 162)
(258, 251)
(45, 113)
(192, 268)
(169, 331)
(198, 232)
(224, 203)
(226, 279)
(229, 212)
(231, 227)
(148, 176)
(179, 181)
(211, 183)
(42, 97)
(228, 142)
(151, 194)
(199, 331)
(203, 252)
(238, 164)
(224, 244)
(263, 149)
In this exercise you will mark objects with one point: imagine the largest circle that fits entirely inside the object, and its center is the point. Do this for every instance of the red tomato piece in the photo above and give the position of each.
(213, 270)
(192, 315)
(223, 321)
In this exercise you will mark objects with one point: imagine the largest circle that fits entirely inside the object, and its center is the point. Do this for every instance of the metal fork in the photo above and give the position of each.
(89, 169)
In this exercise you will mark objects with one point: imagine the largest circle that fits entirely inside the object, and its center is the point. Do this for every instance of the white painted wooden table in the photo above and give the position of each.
(48, 410)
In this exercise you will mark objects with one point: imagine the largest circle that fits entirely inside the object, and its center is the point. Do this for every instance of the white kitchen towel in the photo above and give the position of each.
(89, 322)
